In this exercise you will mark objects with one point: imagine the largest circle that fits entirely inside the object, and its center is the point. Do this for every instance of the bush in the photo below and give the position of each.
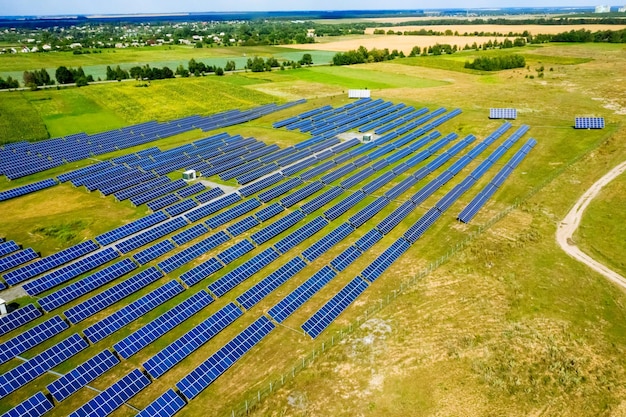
(497, 63)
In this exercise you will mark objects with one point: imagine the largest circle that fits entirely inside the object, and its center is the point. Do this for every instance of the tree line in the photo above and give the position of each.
(497, 63)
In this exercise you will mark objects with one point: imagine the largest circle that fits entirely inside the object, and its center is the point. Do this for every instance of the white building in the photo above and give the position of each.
(603, 9)
(622, 9)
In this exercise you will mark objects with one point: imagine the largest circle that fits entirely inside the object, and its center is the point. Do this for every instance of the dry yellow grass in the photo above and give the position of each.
(532, 29)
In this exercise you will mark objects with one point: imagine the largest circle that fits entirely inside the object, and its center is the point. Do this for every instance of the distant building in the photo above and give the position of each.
(603, 9)
(622, 9)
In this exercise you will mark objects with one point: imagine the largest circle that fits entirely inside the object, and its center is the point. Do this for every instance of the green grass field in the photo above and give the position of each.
(509, 325)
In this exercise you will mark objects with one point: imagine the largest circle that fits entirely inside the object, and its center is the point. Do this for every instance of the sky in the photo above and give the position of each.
(87, 7)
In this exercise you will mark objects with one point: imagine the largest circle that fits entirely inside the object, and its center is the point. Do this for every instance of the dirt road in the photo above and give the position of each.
(570, 223)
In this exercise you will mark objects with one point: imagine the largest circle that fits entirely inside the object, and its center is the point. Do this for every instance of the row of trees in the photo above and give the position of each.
(363, 55)
(10, 82)
(497, 63)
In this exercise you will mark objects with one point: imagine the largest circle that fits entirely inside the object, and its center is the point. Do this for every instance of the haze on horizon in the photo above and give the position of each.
(82, 7)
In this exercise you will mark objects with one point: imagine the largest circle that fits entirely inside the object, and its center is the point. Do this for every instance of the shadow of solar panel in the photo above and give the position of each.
(152, 234)
(232, 213)
(334, 307)
(87, 284)
(38, 365)
(384, 261)
(115, 396)
(17, 258)
(152, 252)
(111, 295)
(301, 234)
(188, 343)
(45, 264)
(301, 294)
(147, 334)
(18, 317)
(325, 243)
(35, 406)
(236, 251)
(207, 372)
(70, 271)
(229, 281)
(131, 312)
(31, 337)
(186, 255)
(277, 227)
(82, 375)
(168, 404)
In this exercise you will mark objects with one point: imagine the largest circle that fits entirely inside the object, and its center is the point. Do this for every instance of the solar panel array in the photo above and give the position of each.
(208, 371)
(82, 375)
(277, 227)
(130, 228)
(147, 334)
(150, 235)
(230, 280)
(166, 405)
(16, 259)
(188, 343)
(186, 255)
(18, 317)
(115, 396)
(325, 243)
(27, 189)
(131, 312)
(35, 406)
(502, 113)
(31, 337)
(589, 123)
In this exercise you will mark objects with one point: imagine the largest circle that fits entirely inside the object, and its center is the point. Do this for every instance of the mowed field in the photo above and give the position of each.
(509, 325)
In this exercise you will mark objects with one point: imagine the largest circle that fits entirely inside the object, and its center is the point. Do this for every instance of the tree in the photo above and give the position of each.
(230, 66)
(9, 83)
(184, 72)
(219, 71)
(307, 59)
(64, 75)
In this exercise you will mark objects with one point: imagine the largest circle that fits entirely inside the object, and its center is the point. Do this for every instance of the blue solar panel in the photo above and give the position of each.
(324, 244)
(321, 200)
(279, 190)
(335, 306)
(419, 228)
(232, 213)
(502, 113)
(186, 255)
(152, 234)
(357, 178)
(345, 258)
(45, 264)
(236, 251)
(384, 261)
(152, 252)
(301, 234)
(395, 217)
(147, 334)
(379, 182)
(344, 205)
(38, 365)
(140, 188)
(261, 184)
(18, 317)
(202, 271)
(111, 295)
(277, 227)
(315, 171)
(87, 284)
(8, 247)
(208, 371)
(82, 375)
(191, 190)
(368, 240)
(229, 281)
(181, 207)
(115, 396)
(301, 294)
(17, 259)
(302, 193)
(31, 337)
(190, 234)
(70, 271)
(130, 228)
(164, 201)
(589, 123)
(157, 192)
(27, 189)
(35, 406)
(182, 347)
(168, 404)
(368, 211)
(113, 322)
(337, 173)
(270, 211)
(242, 225)
(212, 207)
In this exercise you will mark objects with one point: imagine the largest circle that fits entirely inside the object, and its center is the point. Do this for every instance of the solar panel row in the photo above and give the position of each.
(111, 295)
(18, 317)
(186, 255)
(325, 243)
(166, 405)
(236, 251)
(151, 234)
(154, 251)
(27, 189)
(244, 271)
(130, 228)
(31, 337)
(277, 227)
(35, 406)
(384, 261)
(232, 213)
(17, 258)
(301, 234)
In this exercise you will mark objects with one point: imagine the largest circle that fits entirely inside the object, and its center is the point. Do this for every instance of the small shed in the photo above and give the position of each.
(189, 175)
(359, 93)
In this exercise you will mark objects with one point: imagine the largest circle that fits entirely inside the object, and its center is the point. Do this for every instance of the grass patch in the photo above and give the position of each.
(20, 119)
(65, 233)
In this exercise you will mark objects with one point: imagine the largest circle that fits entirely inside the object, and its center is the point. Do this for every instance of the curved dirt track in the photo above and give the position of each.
(570, 223)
